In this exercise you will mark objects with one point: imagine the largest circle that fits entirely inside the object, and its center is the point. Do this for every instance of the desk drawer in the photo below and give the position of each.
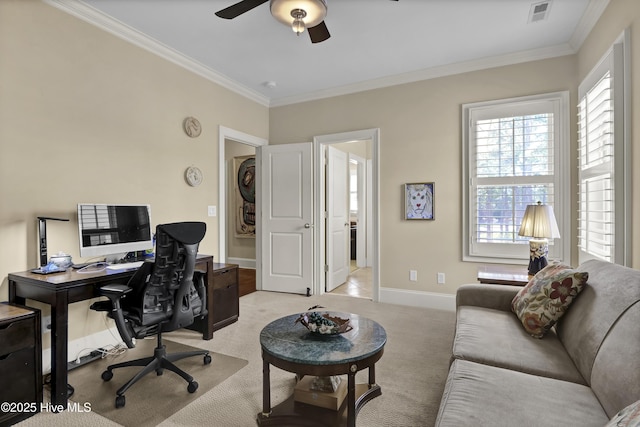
(223, 279)
(16, 335)
(19, 377)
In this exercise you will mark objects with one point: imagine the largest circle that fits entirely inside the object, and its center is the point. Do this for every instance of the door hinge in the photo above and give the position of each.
(326, 268)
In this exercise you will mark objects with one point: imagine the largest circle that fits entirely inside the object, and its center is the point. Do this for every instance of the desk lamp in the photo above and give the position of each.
(540, 223)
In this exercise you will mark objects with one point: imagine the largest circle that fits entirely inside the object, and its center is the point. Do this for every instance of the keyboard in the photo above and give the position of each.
(125, 266)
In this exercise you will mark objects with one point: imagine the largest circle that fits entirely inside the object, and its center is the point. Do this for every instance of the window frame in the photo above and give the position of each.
(518, 253)
(616, 62)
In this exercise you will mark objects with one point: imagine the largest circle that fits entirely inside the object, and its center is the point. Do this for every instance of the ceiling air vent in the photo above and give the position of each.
(539, 11)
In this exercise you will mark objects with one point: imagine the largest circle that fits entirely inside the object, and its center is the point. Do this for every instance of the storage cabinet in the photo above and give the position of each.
(20, 362)
(226, 295)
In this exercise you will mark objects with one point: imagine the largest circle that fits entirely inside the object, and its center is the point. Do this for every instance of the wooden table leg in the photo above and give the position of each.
(59, 351)
(351, 396)
(266, 392)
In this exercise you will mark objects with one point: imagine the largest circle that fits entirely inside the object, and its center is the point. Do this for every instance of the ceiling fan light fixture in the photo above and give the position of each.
(298, 21)
(283, 11)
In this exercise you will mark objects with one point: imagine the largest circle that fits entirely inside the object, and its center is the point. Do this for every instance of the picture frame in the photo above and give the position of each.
(419, 200)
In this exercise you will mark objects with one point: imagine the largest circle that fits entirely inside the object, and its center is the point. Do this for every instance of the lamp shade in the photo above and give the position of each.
(539, 222)
(315, 11)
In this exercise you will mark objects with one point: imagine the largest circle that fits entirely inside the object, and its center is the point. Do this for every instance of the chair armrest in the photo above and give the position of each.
(498, 297)
(115, 292)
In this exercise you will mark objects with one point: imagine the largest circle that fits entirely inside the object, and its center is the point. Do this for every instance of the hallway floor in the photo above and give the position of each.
(358, 283)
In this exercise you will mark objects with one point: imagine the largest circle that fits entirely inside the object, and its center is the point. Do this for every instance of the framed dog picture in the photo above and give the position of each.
(418, 200)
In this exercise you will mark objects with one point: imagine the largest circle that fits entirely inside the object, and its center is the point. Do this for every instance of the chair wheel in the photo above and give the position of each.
(120, 401)
(192, 387)
(207, 359)
(159, 372)
(107, 375)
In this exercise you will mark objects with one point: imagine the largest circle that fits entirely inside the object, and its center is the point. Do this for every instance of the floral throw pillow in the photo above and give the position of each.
(546, 297)
(628, 417)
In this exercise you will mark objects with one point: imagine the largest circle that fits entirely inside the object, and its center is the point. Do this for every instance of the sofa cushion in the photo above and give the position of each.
(546, 297)
(628, 417)
(496, 337)
(481, 395)
(611, 291)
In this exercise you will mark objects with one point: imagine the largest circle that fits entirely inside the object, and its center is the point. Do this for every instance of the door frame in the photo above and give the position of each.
(225, 133)
(372, 135)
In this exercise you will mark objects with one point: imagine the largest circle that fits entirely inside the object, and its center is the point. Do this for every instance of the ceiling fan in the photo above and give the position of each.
(299, 14)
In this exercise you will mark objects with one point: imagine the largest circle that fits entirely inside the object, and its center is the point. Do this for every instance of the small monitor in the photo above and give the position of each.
(113, 229)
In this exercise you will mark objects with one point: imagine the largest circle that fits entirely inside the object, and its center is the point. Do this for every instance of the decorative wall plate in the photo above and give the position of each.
(193, 175)
(192, 127)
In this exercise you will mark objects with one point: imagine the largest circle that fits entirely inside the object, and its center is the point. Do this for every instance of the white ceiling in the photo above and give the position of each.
(374, 43)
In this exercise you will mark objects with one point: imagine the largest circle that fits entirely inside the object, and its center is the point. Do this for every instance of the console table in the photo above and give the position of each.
(290, 346)
(64, 288)
(503, 276)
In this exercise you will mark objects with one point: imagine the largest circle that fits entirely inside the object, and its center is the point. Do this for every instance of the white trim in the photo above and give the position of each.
(372, 135)
(121, 30)
(587, 22)
(242, 262)
(418, 299)
(83, 346)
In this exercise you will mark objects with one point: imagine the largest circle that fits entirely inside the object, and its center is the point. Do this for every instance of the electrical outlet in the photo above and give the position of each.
(413, 275)
(441, 278)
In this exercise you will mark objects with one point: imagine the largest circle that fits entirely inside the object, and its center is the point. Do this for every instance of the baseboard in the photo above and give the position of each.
(418, 299)
(242, 262)
(83, 346)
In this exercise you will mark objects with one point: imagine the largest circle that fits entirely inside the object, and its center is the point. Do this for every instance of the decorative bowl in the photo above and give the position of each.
(324, 323)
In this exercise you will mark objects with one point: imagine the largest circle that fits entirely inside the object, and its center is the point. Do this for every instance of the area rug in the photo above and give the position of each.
(153, 398)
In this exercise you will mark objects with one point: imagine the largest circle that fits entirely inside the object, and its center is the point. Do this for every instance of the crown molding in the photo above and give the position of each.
(431, 73)
(587, 22)
(119, 29)
(95, 17)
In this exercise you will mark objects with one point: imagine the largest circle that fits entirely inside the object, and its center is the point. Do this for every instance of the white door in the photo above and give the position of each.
(337, 218)
(287, 218)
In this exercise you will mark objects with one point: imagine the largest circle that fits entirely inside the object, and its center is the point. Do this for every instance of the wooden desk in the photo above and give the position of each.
(503, 276)
(61, 289)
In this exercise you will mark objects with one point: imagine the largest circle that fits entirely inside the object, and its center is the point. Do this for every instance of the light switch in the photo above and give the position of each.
(212, 211)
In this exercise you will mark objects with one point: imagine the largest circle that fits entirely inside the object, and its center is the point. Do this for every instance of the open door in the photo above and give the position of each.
(287, 218)
(337, 224)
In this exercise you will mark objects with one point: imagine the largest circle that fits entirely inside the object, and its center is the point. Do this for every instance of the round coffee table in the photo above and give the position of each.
(290, 346)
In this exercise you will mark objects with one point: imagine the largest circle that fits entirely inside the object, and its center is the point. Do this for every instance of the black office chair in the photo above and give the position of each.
(160, 297)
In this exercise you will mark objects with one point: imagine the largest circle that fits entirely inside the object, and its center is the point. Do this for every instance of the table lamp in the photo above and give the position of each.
(540, 223)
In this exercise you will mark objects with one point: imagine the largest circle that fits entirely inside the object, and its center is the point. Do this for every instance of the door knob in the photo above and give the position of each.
(307, 225)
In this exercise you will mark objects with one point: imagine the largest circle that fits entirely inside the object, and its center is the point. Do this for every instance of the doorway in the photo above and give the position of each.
(233, 247)
(362, 148)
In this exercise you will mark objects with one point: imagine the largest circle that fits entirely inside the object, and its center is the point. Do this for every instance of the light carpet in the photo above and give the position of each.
(411, 373)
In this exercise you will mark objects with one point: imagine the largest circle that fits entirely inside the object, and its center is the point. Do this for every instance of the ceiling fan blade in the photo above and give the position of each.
(319, 33)
(239, 8)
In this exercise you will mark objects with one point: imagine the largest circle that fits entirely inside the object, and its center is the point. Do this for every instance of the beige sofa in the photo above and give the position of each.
(585, 370)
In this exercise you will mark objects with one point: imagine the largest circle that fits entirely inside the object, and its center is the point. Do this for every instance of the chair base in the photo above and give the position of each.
(158, 362)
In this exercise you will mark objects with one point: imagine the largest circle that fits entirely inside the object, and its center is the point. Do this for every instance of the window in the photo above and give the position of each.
(515, 154)
(602, 204)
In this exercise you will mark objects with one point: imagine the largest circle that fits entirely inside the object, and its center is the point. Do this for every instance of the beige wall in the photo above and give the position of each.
(420, 141)
(619, 15)
(88, 117)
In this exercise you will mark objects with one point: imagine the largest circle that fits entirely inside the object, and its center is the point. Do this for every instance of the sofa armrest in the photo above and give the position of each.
(490, 296)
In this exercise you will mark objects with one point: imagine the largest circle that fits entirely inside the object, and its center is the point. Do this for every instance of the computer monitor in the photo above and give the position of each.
(106, 230)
